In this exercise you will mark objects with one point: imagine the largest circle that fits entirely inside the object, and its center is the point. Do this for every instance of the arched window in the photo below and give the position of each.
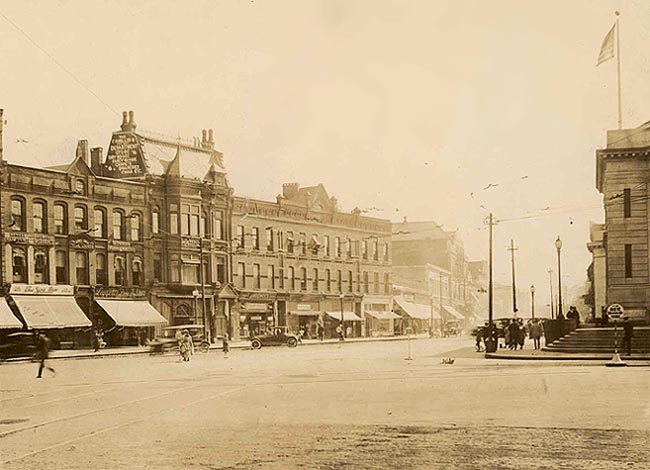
(119, 271)
(17, 214)
(155, 221)
(40, 266)
(136, 233)
(80, 218)
(100, 269)
(118, 225)
(81, 258)
(100, 223)
(19, 264)
(137, 271)
(61, 260)
(40, 217)
(60, 218)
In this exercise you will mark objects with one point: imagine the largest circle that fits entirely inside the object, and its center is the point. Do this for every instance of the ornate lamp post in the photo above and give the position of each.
(532, 301)
(558, 245)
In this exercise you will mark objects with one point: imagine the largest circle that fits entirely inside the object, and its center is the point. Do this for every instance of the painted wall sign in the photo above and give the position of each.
(29, 238)
(123, 158)
(120, 246)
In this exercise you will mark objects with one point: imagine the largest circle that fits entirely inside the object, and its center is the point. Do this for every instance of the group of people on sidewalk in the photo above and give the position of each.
(514, 334)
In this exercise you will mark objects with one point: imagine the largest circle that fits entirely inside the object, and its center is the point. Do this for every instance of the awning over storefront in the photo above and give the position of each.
(137, 313)
(347, 316)
(419, 311)
(305, 313)
(7, 317)
(382, 315)
(453, 312)
(41, 312)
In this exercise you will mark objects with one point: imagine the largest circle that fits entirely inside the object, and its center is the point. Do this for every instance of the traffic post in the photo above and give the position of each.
(614, 312)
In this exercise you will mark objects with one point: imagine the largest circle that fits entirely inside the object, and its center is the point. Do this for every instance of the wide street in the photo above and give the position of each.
(325, 407)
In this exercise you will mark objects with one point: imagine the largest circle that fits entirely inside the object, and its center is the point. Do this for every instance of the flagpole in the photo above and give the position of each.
(618, 70)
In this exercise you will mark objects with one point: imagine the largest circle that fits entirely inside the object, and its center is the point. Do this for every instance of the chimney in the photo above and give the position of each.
(82, 151)
(2, 126)
(290, 190)
(210, 139)
(125, 122)
(204, 138)
(96, 157)
(132, 124)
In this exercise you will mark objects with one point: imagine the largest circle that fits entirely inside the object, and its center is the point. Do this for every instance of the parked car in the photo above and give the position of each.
(452, 328)
(168, 342)
(278, 337)
(19, 344)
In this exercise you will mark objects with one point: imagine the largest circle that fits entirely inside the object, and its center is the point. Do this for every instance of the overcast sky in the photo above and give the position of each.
(412, 107)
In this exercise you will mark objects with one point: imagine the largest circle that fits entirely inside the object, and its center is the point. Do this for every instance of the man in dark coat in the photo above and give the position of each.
(513, 329)
(628, 332)
(43, 352)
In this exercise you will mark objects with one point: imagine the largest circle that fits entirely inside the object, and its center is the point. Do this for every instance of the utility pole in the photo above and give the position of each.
(512, 250)
(550, 283)
(491, 342)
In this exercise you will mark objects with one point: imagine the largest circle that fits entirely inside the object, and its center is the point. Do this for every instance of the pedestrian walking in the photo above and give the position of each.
(521, 334)
(43, 352)
(96, 340)
(179, 341)
(339, 331)
(321, 332)
(536, 333)
(513, 334)
(187, 346)
(628, 332)
(479, 338)
(225, 344)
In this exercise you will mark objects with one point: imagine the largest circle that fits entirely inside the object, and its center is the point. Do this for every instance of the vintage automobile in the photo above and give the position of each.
(278, 337)
(19, 344)
(168, 341)
(452, 328)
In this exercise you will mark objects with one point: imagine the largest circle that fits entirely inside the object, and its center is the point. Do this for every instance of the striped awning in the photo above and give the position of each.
(347, 316)
(7, 317)
(50, 311)
(418, 311)
(381, 315)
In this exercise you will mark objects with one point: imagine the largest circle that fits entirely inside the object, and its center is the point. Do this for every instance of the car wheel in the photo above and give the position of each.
(204, 347)
(165, 348)
(292, 342)
(256, 344)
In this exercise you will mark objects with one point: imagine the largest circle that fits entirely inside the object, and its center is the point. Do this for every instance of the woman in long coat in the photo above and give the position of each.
(187, 346)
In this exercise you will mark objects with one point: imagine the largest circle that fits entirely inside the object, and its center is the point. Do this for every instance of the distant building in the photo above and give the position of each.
(298, 259)
(622, 179)
(427, 257)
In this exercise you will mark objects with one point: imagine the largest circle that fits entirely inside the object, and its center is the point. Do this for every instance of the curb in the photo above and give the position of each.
(562, 358)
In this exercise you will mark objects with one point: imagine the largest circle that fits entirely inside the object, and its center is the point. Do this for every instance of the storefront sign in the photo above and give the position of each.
(304, 307)
(29, 238)
(123, 157)
(253, 307)
(120, 293)
(256, 317)
(120, 246)
(190, 242)
(82, 243)
(41, 289)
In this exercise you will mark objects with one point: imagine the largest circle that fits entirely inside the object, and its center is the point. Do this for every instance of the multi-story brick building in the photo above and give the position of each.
(299, 261)
(147, 226)
(622, 176)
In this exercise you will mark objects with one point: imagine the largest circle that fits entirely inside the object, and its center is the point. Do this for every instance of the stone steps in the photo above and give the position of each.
(600, 340)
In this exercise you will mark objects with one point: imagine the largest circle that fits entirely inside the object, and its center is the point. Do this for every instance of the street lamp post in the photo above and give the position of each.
(558, 245)
(341, 297)
(532, 301)
(195, 294)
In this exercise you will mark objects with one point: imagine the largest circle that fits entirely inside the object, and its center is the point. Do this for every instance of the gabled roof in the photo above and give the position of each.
(78, 166)
(427, 230)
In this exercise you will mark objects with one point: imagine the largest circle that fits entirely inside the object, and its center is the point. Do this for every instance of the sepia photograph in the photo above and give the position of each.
(325, 234)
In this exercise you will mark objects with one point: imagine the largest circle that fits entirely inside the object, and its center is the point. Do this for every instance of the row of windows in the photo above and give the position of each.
(80, 266)
(100, 229)
(192, 222)
(303, 279)
(326, 246)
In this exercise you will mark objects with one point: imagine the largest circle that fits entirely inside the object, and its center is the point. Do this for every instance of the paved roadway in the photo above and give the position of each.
(325, 407)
